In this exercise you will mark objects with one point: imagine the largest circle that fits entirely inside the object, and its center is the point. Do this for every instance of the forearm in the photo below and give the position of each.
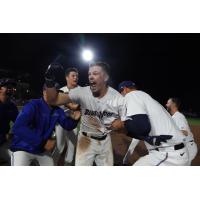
(55, 98)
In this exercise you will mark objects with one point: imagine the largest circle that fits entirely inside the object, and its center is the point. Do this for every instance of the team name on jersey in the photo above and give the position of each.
(100, 114)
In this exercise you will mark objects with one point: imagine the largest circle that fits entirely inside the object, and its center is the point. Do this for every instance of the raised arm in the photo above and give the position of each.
(52, 75)
(56, 98)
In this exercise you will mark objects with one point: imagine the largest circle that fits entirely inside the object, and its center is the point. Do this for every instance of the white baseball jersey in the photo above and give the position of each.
(98, 114)
(182, 124)
(64, 136)
(139, 102)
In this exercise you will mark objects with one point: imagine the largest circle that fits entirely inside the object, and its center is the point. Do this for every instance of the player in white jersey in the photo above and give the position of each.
(62, 137)
(101, 106)
(147, 120)
(173, 105)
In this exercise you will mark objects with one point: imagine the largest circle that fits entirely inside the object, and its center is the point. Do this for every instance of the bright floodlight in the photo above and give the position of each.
(87, 55)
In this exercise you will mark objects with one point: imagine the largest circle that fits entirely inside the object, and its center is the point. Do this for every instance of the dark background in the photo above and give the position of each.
(163, 65)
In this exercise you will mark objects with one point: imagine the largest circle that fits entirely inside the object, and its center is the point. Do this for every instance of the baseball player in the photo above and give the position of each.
(71, 76)
(8, 113)
(33, 129)
(173, 105)
(147, 120)
(101, 107)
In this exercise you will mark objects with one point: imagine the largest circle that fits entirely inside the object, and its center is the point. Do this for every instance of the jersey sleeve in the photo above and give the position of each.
(181, 122)
(122, 108)
(75, 94)
(134, 105)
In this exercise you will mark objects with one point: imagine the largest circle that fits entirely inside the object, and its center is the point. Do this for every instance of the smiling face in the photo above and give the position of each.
(98, 80)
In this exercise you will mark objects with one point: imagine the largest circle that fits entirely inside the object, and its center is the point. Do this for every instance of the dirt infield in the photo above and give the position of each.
(121, 143)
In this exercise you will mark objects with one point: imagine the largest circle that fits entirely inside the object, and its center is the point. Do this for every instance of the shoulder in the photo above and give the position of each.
(80, 90)
(112, 91)
(178, 115)
(33, 103)
(12, 104)
(64, 89)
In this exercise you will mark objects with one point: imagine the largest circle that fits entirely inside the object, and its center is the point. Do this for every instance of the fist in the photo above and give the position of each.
(73, 106)
(76, 115)
(117, 124)
(50, 145)
(53, 71)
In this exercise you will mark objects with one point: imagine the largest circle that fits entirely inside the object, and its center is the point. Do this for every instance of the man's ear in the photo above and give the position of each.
(106, 77)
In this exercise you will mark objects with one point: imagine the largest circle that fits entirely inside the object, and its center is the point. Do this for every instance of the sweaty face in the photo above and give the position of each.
(97, 79)
(169, 105)
(72, 79)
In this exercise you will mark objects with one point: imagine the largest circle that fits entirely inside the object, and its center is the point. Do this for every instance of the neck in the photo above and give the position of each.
(103, 92)
(69, 86)
(173, 111)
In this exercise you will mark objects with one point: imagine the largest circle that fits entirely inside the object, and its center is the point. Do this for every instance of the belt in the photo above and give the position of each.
(176, 147)
(93, 137)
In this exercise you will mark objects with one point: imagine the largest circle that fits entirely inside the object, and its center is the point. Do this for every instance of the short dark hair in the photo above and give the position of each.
(176, 101)
(71, 69)
(103, 65)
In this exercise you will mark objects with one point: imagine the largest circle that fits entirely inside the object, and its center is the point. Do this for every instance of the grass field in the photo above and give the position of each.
(194, 121)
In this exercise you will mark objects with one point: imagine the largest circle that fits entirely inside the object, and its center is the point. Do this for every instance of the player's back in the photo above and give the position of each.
(161, 121)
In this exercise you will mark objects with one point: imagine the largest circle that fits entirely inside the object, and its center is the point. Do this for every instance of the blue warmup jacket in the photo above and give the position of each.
(35, 124)
(8, 113)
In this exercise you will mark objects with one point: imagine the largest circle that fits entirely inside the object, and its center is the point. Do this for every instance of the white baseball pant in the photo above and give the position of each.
(90, 150)
(22, 158)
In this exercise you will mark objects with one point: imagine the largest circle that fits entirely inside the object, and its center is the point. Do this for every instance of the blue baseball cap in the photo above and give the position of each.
(124, 84)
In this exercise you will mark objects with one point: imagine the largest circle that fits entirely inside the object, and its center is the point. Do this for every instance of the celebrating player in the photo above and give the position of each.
(147, 120)
(71, 76)
(101, 106)
(173, 105)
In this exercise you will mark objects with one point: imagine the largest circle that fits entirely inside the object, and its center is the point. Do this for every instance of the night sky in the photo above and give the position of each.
(163, 65)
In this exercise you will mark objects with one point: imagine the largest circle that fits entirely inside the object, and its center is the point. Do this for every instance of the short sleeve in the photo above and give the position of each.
(134, 105)
(122, 108)
(181, 122)
(75, 94)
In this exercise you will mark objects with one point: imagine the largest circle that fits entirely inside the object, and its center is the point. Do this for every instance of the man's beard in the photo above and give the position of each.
(169, 109)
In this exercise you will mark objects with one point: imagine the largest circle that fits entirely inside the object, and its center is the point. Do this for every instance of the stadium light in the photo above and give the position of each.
(87, 55)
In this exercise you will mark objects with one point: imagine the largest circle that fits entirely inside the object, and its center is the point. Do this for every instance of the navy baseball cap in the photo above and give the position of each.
(124, 84)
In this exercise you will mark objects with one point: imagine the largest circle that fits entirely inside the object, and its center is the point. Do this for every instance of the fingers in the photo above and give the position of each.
(76, 115)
